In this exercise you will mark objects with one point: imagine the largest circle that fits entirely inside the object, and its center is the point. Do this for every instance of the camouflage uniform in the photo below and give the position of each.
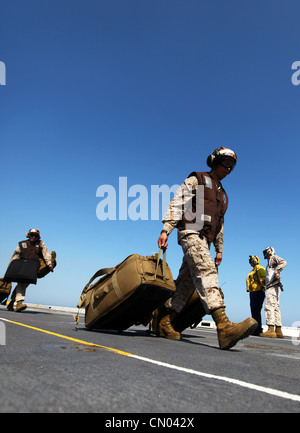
(20, 289)
(198, 270)
(273, 289)
(272, 312)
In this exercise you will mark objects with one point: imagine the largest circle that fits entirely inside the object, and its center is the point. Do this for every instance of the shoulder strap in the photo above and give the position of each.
(87, 287)
(101, 272)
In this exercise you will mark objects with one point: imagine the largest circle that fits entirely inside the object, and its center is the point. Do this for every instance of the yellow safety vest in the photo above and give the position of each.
(258, 273)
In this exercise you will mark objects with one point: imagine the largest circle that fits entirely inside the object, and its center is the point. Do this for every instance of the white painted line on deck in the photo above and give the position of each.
(248, 385)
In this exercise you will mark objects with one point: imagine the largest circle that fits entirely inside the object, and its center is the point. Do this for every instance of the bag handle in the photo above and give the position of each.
(164, 263)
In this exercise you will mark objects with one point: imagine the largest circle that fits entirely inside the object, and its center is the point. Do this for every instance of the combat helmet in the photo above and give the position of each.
(223, 156)
(254, 260)
(268, 251)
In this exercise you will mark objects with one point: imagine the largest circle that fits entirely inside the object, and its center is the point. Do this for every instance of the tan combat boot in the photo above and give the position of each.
(165, 326)
(230, 333)
(270, 332)
(278, 332)
(20, 307)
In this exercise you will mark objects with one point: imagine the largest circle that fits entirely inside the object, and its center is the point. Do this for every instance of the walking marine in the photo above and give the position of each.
(33, 248)
(198, 270)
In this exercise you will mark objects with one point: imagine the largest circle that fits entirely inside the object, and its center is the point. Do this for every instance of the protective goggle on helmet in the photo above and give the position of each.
(33, 232)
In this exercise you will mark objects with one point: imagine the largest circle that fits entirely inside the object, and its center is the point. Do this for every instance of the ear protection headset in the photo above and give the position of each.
(211, 158)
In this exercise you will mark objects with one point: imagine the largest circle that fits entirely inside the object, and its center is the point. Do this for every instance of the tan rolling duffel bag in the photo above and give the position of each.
(127, 294)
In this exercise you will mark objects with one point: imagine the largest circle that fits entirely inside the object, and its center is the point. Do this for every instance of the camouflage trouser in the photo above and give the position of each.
(199, 272)
(273, 315)
(19, 292)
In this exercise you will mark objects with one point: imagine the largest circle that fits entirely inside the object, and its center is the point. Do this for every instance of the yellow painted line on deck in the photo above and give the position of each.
(241, 383)
(65, 337)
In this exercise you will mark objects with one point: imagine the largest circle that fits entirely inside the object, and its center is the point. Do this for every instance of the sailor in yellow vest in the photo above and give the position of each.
(256, 290)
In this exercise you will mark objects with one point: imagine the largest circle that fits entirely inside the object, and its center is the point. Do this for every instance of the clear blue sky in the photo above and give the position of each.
(101, 89)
